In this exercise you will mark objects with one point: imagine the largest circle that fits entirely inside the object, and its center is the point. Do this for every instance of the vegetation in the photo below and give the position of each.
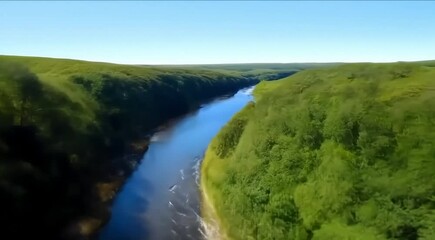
(346, 152)
(65, 126)
(259, 71)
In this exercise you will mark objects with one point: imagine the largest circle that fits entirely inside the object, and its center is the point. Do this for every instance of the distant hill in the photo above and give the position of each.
(262, 71)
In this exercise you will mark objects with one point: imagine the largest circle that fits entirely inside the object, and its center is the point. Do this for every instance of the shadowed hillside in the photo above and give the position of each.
(68, 129)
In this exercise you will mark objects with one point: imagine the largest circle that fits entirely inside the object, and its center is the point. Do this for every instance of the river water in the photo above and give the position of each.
(161, 199)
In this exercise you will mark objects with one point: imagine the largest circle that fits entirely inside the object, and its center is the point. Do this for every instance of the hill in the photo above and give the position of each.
(71, 131)
(260, 71)
(345, 152)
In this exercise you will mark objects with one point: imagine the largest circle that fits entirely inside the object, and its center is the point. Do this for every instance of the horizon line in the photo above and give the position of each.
(202, 64)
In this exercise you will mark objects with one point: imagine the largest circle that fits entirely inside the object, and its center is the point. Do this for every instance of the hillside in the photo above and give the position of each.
(260, 71)
(68, 130)
(345, 152)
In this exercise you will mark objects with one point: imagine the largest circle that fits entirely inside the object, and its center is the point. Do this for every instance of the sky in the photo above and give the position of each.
(205, 32)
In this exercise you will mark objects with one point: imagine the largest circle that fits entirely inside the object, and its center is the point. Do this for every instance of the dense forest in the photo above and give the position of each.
(66, 127)
(345, 152)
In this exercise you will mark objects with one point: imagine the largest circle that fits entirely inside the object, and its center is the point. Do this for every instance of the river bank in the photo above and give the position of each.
(87, 227)
(161, 198)
(211, 221)
(114, 176)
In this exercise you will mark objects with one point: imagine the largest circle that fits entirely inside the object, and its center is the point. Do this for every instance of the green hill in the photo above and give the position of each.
(345, 152)
(260, 71)
(67, 125)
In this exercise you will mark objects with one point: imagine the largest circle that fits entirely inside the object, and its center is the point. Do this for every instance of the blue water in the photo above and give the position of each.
(160, 200)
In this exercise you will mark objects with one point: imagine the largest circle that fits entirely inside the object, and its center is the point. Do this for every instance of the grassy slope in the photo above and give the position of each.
(340, 153)
(65, 124)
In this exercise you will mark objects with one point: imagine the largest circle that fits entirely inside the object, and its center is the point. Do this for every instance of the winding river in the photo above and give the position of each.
(161, 199)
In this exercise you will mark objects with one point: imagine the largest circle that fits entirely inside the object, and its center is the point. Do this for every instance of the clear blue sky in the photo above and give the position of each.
(219, 32)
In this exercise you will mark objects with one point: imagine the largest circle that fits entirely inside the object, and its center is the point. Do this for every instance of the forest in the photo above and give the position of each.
(343, 152)
(71, 131)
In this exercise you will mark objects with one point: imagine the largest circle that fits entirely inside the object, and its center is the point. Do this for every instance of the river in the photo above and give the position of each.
(161, 199)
